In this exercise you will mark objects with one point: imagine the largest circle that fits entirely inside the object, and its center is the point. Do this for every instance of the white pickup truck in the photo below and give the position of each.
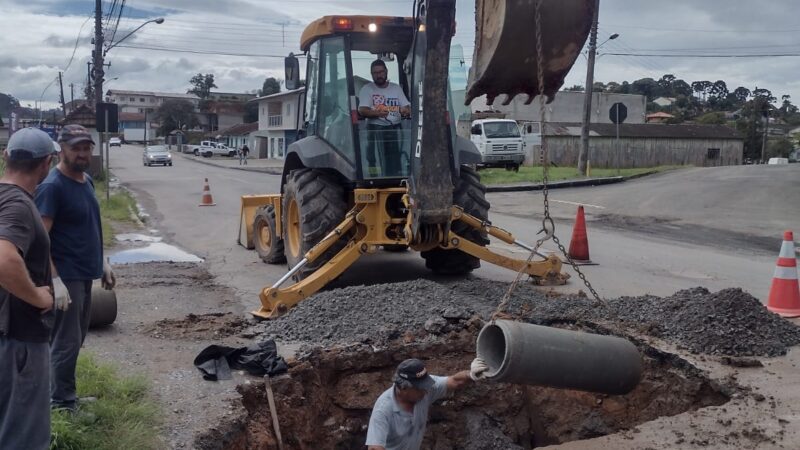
(209, 148)
(499, 142)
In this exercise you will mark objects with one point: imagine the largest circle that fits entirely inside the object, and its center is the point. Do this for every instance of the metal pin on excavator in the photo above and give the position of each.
(340, 199)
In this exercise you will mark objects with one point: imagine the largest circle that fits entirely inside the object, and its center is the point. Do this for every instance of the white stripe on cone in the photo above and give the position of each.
(786, 273)
(787, 250)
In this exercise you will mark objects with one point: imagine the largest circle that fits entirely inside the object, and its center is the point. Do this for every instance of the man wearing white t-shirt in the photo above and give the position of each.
(383, 104)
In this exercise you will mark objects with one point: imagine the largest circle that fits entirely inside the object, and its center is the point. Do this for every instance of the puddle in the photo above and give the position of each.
(154, 252)
(134, 237)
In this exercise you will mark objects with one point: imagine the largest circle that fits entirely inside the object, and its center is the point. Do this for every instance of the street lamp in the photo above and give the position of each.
(610, 38)
(158, 21)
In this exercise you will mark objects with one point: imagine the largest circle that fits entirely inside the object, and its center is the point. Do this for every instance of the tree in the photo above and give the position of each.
(271, 86)
(175, 114)
(645, 86)
(779, 148)
(202, 85)
(680, 87)
(712, 118)
(701, 87)
(742, 94)
(251, 112)
(7, 103)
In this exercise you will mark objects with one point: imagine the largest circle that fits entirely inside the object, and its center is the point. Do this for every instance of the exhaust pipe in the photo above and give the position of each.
(522, 353)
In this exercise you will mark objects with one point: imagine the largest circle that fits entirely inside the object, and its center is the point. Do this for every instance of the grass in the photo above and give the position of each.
(117, 209)
(123, 416)
(534, 174)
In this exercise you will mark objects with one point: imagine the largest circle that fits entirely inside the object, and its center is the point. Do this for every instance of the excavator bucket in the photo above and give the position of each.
(506, 60)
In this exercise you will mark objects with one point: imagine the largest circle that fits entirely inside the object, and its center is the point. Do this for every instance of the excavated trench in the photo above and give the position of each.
(326, 399)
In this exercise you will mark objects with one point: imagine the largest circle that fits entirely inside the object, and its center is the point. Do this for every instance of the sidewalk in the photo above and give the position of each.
(275, 167)
(270, 166)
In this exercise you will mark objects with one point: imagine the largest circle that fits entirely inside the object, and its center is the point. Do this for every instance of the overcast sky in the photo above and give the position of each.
(38, 38)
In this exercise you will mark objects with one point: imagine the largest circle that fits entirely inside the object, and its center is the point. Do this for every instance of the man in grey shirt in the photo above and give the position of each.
(400, 414)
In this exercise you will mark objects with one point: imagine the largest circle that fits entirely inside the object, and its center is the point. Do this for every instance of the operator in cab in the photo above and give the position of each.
(400, 414)
(383, 104)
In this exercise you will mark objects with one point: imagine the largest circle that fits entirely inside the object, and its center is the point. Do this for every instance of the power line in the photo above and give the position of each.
(703, 56)
(77, 40)
(204, 52)
(702, 30)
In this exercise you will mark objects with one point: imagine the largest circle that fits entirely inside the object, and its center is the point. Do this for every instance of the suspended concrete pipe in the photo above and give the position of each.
(522, 353)
(104, 307)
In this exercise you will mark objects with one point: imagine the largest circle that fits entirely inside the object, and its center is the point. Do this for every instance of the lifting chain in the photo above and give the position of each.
(547, 221)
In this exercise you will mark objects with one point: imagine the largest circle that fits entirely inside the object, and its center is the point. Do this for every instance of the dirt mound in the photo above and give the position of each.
(197, 326)
(729, 322)
(376, 314)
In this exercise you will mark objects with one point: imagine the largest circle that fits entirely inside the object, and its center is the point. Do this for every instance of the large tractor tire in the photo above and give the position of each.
(469, 194)
(268, 244)
(314, 203)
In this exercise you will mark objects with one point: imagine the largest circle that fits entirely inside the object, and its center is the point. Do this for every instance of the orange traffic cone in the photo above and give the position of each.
(579, 245)
(207, 199)
(784, 295)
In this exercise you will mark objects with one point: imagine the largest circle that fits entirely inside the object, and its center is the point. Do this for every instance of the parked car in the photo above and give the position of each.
(115, 142)
(156, 154)
(210, 148)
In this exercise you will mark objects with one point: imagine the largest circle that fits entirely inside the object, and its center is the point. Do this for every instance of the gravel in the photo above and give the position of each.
(730, 322)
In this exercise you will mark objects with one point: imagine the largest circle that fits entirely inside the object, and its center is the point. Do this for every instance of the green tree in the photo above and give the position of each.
(574, 88)
(712, 118)
(175, 114)
(271, 86)
(742, 94)
(702, 88)
(251, 112)
(779, 148)
(202, 85)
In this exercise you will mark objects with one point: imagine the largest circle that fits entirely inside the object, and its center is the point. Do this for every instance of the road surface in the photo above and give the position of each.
(717, 227)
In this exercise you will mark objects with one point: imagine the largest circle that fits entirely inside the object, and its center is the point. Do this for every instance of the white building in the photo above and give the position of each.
(145, 101)
(278, 118)
(664, 101)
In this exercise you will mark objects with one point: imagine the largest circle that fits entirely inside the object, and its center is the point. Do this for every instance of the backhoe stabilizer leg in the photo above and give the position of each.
(276, 301)
(547, 272)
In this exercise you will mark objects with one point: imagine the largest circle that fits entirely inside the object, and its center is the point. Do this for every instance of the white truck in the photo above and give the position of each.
(499, 141)
(208, 149)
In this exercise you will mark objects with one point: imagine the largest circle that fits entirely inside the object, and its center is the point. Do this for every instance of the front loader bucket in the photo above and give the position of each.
(505, 59)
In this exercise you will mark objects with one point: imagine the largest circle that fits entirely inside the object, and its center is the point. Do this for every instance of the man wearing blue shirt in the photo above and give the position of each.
(400, 414)
(71, 215)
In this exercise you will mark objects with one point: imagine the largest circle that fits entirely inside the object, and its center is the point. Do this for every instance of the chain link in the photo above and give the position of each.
(544, 159)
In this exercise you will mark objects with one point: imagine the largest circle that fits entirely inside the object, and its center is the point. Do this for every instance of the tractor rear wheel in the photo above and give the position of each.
(314, 203)
(269, 245)
(469, 194)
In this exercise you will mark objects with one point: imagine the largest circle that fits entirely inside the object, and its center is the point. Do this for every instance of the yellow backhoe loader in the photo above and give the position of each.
(345, 192)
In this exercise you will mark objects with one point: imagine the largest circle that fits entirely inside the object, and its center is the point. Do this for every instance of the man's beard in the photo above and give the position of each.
(380, 81)
(75, 165)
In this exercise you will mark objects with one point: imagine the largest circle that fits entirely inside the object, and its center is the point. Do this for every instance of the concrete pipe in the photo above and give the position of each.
(522, 353)
(104, 307)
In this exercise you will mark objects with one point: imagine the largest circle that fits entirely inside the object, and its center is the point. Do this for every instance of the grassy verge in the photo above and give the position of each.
(534, 174)
(123, 416)
(116, 209)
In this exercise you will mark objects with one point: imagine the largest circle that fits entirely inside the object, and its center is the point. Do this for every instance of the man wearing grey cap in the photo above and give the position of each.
(400, 414)
(26, 295)
(71, 214)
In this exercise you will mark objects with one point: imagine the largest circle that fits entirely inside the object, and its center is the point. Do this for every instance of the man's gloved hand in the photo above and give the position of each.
(108, 281)
(60, 295)
(478, 369)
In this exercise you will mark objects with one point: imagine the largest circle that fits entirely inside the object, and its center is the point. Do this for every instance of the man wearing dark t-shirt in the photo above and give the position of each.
(26, 295)
(71, 215)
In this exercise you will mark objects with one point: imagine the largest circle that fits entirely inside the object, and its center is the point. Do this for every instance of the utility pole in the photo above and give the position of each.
(61, 85)
(71, 97)
(766, 132)
(584, 156)
(97, 57)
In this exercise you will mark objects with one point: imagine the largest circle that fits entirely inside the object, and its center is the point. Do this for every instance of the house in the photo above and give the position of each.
(646, 145)
(239, 135)
(278, 118)
(145, 101)
(659, 117)
(219, 115)
(567, 107)
(137, 127)
(664, 101)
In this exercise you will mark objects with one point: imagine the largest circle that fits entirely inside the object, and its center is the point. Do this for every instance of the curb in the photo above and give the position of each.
(267, 170)
(554, 185)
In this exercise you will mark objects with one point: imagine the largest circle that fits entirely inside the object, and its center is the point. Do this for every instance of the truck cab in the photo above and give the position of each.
(499, 142)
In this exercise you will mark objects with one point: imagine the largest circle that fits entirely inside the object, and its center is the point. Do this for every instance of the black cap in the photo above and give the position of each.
(414, 372)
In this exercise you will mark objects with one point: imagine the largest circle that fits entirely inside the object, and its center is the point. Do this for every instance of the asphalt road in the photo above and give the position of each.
(643, 233)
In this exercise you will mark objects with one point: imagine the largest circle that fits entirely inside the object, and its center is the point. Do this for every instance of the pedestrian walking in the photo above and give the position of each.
(71, 214)
(26, 295)
(245, 150)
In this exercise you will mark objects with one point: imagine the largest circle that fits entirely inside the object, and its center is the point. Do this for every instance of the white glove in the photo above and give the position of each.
(108, 281)
(60, 295)
(478, 369)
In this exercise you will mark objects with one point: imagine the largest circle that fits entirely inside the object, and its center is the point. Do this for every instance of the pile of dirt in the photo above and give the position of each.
(376, 314)
(730, 322)
(196, 326)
